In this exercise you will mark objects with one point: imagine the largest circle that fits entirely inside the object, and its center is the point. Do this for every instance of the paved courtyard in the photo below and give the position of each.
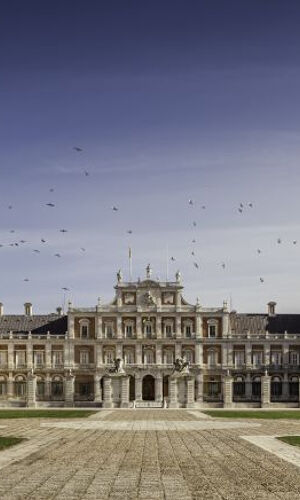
(146, 454)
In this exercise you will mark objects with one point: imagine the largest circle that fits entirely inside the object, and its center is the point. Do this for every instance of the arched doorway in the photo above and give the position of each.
(148, 388)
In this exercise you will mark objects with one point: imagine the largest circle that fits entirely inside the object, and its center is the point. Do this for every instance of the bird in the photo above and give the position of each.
(42, 240)
(76, 148)
(279, 240)
(240, 210)
(258, 250)
(191, 202)
(86, 173)
(82, 249)
(63, 230)
(36, 251)
(172, 259)
(25, 279)
(196, 265)
(12, 231)
(1, 246)
(50, 205)
(294, 242)
(65, 289)
(261, 280)
(9, 207)
(114, 208)
(51, 190)
(57, 255)
(223, 265)
(129, 231)
(241, 205)
(193, 253)
(193, 241)
(203, 207)
(22, 241)
(16, 244)
(250, 205)
(194, 224)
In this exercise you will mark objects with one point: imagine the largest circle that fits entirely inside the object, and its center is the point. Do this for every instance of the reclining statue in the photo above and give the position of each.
(118, 366)
(181, 366)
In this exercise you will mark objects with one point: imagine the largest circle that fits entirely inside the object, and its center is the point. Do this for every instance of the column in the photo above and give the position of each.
(286, 355)
(199, 394)
(285, 387)
(177, 350)
(198, 326)
(225, 325)
(139, 333)
(158, 354)
(248, 387)
(265, 391)
(97, 388)
(125, 392)
(199, 354)
(267, 354)
(173, 403)
(99, 327)
(178, 301)
(224, 355)
(248, 350)
(10, 354)
(190, 392)
(29, 355)
(178, 327)
(10, 386)
(138, 388)
(138, 354)
(48, 355)
(230, 355)
(119, 327)
(107, 396)
(99, 355)
(47, 387)
(159, 388)
(227, 391)
(69, 390)
(31, 390)
(158, 327)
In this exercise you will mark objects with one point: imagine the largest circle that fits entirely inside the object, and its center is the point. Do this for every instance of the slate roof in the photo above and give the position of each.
(260, 323)
(38, 323)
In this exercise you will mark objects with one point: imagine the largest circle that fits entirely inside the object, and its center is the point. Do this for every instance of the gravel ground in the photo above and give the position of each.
(147, 464)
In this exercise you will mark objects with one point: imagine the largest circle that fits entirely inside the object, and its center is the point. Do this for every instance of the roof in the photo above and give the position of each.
(260, 323)
(39, 323)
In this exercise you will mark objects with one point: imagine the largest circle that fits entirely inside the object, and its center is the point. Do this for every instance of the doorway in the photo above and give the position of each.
(148, 388)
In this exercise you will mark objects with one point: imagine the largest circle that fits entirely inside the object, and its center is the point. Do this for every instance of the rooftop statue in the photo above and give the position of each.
(119, 276)
(148, 271)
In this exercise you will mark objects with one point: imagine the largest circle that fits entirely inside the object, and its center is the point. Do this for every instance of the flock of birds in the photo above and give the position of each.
(241, 208)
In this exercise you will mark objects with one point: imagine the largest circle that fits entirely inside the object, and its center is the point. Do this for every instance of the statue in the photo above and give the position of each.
(181, 366)
(149, 300)
(178, 276)
(119, 276)
(148, 271)
(118, 366)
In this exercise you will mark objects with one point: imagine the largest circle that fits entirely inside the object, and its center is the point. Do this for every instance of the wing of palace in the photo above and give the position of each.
(149, 347)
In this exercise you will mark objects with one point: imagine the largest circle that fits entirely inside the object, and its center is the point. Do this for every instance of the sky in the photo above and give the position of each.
(169, 101)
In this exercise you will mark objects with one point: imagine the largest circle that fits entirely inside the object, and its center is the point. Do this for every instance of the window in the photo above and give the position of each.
(109, 357)
(212, 357)
(128, 330)
(212, 331)
(40, 388)
(20, 387)
(188, 356)
(257, 358)
(84, 357)
(3, 358)
(188, 331)
(168, 330)
(57, 387)
(148, 329)
(148, 358)
(129, 357)
(3, 387)
(276, 358)
(38, 358)
(109, 330)
(169, 358)
(239, 358)
(20, 358)
(294, 358)
(57, 358)
(84, 328)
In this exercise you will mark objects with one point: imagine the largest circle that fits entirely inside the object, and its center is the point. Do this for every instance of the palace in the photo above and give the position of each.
(149, 347)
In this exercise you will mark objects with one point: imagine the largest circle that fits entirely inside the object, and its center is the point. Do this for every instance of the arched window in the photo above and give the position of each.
(84, 326)
(109, 357)
(40, 387)
(3, 386)
(20, 386)
(57, 387)
(256, 387)
(294, 388)
(276, 387)
(239, 386)
(147, 328)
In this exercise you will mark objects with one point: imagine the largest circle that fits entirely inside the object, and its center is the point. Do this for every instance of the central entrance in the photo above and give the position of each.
(148, 388)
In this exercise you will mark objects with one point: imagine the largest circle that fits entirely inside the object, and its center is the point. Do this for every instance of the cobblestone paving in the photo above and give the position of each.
(148, 464)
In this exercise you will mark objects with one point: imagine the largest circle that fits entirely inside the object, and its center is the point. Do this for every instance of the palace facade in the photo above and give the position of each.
(170, 353)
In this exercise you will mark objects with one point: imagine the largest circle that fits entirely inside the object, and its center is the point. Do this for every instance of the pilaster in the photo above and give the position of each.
(97, 388)
(31, 391)
(69, 390)
(159, 388)
(107, 396)
(173, 402)
(190, 392)
(265, 391)
(125, 392)
(138, 388)
(199, 393)
(227, 391)
(199, 354)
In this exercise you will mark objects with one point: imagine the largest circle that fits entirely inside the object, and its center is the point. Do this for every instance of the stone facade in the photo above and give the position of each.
(150, 348)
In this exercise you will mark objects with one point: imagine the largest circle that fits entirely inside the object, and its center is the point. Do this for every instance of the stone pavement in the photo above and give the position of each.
(129, 458)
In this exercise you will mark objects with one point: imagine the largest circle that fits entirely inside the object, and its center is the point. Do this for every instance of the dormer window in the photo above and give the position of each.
(84, 328)
(212, 328)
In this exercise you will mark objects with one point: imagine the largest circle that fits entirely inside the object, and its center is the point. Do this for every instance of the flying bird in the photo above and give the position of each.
(193, 253)
(25, 279)
(9, 207)
(241, 205)
(36, 251)
(114, 209)
(82, 249)
(261, 280)
(65, 289)
(86, 173)
(42, 240)
(203, 207)
(191, 202)
(12, 231)
(50, 205)
(250, 205)
(240, 210)
(51, 190)
(194, 224)
(76, 148)
(279, 240)
(295, 242)
(193, 241)
(259, 251)
(223, 265)
(196, 265)
(172, 259)
(57, 255)
(22, 241)
(63, 230)
(129, 231)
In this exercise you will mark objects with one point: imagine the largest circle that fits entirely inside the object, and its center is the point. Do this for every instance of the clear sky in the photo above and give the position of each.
(169, 101)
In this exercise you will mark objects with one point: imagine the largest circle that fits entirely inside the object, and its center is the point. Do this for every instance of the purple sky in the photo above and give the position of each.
(169, 101)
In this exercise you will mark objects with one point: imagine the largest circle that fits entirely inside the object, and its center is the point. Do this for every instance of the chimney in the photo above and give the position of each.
(59, 311)
(28, 309)
(1, 309)
(271, 308)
